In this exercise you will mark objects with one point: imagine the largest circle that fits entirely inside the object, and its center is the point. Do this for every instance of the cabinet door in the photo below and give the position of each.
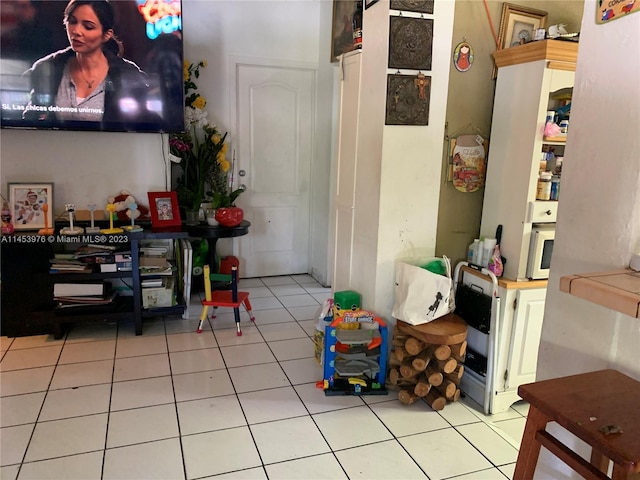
(525, 337)
(346, 172)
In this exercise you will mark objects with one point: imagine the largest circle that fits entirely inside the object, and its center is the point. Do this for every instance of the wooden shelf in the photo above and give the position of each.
(562, 55)
(559, 139)
(618, 290)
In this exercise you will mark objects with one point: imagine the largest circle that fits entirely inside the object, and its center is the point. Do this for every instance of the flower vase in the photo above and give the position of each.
(211, 217)
(230, 216)
(202, 213)
(192, 217)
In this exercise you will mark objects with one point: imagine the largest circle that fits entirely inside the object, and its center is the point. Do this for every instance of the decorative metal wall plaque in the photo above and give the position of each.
(408, 99)
(422, 6)
(410, 43)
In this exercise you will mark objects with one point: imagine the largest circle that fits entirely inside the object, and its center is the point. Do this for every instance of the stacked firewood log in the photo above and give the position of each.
(418, 369)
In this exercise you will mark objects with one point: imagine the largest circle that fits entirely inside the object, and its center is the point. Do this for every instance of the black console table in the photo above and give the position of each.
(27, 286)
(213, 233)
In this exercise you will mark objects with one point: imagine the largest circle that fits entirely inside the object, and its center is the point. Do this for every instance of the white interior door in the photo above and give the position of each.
(275, 123)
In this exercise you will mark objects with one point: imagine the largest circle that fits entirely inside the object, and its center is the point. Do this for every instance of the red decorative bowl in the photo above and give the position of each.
(229, 217)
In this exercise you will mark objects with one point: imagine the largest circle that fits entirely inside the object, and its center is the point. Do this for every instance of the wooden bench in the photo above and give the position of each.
(601, 408)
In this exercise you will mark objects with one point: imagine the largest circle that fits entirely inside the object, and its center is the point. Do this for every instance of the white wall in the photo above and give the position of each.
(410, 176)
(599, 212)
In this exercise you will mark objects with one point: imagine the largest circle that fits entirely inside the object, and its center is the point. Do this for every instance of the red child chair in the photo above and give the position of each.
(224, 298)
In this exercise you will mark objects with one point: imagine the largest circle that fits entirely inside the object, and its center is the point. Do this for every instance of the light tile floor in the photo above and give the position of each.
(103, 403)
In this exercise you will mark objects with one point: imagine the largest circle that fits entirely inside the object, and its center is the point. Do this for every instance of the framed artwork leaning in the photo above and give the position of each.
(342, 28)
(164, 210)
(31, 205)
(518, 24)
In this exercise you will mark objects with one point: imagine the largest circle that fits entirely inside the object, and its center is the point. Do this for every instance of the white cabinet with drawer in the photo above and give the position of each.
(527, 76)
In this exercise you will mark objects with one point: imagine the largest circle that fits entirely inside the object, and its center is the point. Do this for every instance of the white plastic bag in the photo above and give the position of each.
(420, 295)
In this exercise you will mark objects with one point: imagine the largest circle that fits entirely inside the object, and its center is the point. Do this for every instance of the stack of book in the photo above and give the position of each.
(103, 258)
(67, 263)
(158, 288)
(78, 295)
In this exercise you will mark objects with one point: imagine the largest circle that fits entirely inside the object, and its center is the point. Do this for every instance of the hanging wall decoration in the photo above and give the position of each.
(468, 160)
(463, 56)
(410, 43)
(408, 99)
(614, 10)
(421, 6)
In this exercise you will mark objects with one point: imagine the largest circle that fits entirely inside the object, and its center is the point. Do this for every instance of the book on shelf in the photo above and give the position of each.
(108, 267)
(78, 289)
(89, 300)
(89, 250)
(64, 269)
(151, 282)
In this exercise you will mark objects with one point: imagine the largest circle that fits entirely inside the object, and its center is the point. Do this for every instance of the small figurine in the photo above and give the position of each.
(132, 213)
(71, 230)
(92, 228)
(47, 230)
(111, 208)
(5, 215)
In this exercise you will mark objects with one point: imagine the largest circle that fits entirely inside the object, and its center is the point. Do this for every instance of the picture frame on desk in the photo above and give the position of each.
(31, 205)
(164, 209)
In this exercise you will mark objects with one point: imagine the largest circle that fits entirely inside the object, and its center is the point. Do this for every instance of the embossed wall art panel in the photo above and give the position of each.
(422, 6)
(410, 43)
(408, 99)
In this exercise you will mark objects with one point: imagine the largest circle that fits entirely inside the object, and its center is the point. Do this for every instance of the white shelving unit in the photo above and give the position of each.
(527, 75)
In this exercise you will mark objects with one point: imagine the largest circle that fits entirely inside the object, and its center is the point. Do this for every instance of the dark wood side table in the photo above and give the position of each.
(212, 233)
(600, 408)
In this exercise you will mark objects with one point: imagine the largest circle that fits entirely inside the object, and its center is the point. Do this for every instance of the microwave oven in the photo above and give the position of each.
(540, 251)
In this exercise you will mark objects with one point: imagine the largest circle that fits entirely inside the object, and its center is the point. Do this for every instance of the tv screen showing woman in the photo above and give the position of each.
(92, 65)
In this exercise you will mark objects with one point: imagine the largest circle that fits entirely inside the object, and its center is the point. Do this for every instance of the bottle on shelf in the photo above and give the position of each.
(357, 25)
(555, 187)
(473, 251)
(543, 192)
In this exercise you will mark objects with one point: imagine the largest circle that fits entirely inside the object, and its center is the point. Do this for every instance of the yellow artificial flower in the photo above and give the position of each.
(223, 150)
(199, 102)
(215, 138)
(185, 71)
(203, 63)
(224, 165)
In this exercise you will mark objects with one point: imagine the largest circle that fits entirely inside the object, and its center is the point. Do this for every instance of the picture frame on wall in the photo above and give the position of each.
(342, 28)
(164, 210)
(518, 24)
(31, 205)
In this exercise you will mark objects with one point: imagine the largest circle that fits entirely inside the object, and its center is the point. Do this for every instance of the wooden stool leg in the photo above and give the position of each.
(621, 473)
(530, 447)
(236, 314)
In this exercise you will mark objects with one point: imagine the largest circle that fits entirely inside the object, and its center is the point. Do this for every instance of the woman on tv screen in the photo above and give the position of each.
(91, 85)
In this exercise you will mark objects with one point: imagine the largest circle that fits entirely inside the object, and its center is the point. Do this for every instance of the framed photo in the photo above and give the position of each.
(164, 210)
(368, 3)
(31, 205)
(342, 28)
(518, 24)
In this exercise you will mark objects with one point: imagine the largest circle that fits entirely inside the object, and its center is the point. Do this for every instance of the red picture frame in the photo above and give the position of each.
(164, 210)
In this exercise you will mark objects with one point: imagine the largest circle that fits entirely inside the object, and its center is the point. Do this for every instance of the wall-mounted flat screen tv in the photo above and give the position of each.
(95, 65)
